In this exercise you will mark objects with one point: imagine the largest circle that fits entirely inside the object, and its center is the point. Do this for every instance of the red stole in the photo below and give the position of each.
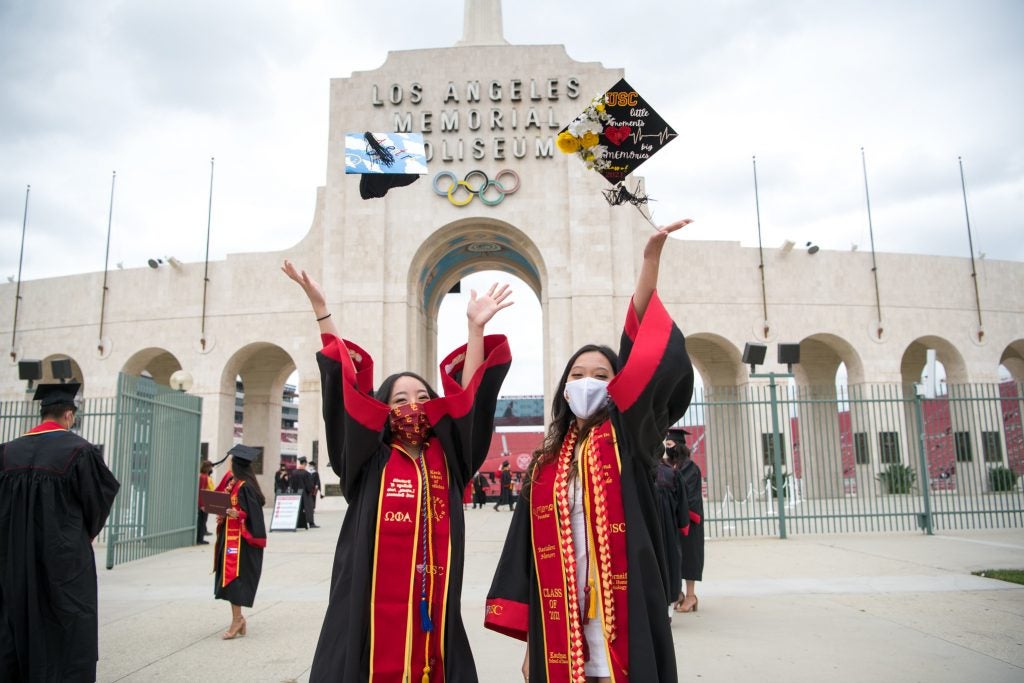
(234, 532)
(405, 646)
(554, 558)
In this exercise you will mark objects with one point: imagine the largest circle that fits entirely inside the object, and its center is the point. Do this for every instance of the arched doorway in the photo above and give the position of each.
(158, 363)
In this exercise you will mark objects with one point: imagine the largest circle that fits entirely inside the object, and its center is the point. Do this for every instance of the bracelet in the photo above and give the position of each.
(324, 318)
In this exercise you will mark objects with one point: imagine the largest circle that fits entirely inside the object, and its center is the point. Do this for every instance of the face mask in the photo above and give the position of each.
(586, 396)
(409, 424)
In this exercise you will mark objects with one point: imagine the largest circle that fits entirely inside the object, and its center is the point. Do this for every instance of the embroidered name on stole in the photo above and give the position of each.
(560, 599)
(400, 648)
(232, 537)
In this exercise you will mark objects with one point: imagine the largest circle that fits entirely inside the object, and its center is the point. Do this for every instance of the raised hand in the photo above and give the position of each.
(310, 286)
(658, 239)
(482, 308)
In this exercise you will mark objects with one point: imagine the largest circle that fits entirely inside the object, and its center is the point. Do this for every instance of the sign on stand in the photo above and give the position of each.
(286, 513)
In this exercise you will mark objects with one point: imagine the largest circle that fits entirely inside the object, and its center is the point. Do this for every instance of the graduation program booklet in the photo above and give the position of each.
(215, 502)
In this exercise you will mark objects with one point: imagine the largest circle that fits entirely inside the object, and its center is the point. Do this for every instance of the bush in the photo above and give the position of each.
(1001, 479)
(898, 478)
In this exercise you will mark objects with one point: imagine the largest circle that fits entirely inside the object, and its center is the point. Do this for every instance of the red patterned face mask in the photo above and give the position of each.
(409, 424)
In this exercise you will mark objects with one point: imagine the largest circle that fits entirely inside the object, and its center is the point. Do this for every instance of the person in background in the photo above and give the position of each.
(479, 491)
(281, 484)
(241, 538)
(691, 506)
(205, 484)
(581, 577)
(55, 495)
(318, 491)
(667, 484)
(301, 482)
(505, 493)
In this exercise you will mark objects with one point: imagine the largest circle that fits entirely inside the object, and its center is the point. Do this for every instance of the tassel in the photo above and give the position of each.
(426, 675)
(425, 621)
(620, 195)
(377, 150)
(591, 603)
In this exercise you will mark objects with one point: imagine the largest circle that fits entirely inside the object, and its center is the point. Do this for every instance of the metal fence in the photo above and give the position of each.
(149, 435)
(783, 459)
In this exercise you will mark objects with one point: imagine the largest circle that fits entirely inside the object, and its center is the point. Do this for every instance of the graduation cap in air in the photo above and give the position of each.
(384, 160)
(56, 394)
(614, 135)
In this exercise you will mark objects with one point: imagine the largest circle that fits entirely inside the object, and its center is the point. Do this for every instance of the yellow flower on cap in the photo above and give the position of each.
(589, 139)
(567, 143)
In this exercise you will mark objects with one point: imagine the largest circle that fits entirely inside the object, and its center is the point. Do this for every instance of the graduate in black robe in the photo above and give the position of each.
(241, 538)
(667, 484)
(55, 495)
(691, 511)
(437, 443)
(647, 387)
(302, 483)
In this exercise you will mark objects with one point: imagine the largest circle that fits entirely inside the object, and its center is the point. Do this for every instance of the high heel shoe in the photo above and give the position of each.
(691, 608)
(236, 629)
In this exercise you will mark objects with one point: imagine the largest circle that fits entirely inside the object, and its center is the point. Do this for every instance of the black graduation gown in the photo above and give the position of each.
(55, 495)
(673, 514)
(479, 489)
(301, 482)
(242, 590)
(358, 455)
(651, 391)
(691, 545)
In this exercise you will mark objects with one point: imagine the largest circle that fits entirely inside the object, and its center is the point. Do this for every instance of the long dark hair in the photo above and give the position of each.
(242, 469)
(383, 394)
(562, 416)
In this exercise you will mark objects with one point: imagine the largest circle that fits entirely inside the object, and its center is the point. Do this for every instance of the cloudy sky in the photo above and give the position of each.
(154, 89)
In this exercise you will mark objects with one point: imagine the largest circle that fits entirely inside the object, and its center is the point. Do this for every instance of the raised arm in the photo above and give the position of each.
(478, 313)
(647, 282)
(315, 293)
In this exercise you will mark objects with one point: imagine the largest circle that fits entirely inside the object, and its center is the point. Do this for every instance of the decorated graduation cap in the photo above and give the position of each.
(56, 394)
(614, 135)
(384, 160)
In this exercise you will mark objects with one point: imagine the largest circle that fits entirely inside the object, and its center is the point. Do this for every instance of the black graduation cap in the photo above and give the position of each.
(243, 452)
(677, 434)
(56, 394)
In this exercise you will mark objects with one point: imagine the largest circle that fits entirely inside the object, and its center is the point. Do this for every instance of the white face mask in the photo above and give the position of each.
(586, 396)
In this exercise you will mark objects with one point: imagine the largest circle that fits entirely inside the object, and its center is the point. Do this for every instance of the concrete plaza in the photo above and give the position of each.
(871, 607)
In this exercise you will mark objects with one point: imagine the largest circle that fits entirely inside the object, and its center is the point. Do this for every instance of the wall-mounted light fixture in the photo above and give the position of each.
(812, 248)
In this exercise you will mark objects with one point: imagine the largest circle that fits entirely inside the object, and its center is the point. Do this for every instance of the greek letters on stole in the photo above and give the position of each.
(555, 563)
(400, 648)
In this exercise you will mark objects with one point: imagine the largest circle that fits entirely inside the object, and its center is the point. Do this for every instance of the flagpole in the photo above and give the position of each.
(760, 248)
(871, 232)
(106, 259)
(17, 291)
(206, 266)
(970, 243)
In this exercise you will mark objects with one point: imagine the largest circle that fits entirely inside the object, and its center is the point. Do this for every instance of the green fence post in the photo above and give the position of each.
(922, 460)
(780, 492)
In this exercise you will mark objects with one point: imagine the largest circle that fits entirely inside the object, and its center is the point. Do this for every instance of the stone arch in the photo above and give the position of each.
(1013, 359)
(456, 249)
(76, 371)
(913, 360)
(159, 363)
(263, 368)
(717, 359)
(820, 357)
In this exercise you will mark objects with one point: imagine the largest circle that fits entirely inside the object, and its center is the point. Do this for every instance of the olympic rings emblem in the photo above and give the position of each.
(473, 190)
